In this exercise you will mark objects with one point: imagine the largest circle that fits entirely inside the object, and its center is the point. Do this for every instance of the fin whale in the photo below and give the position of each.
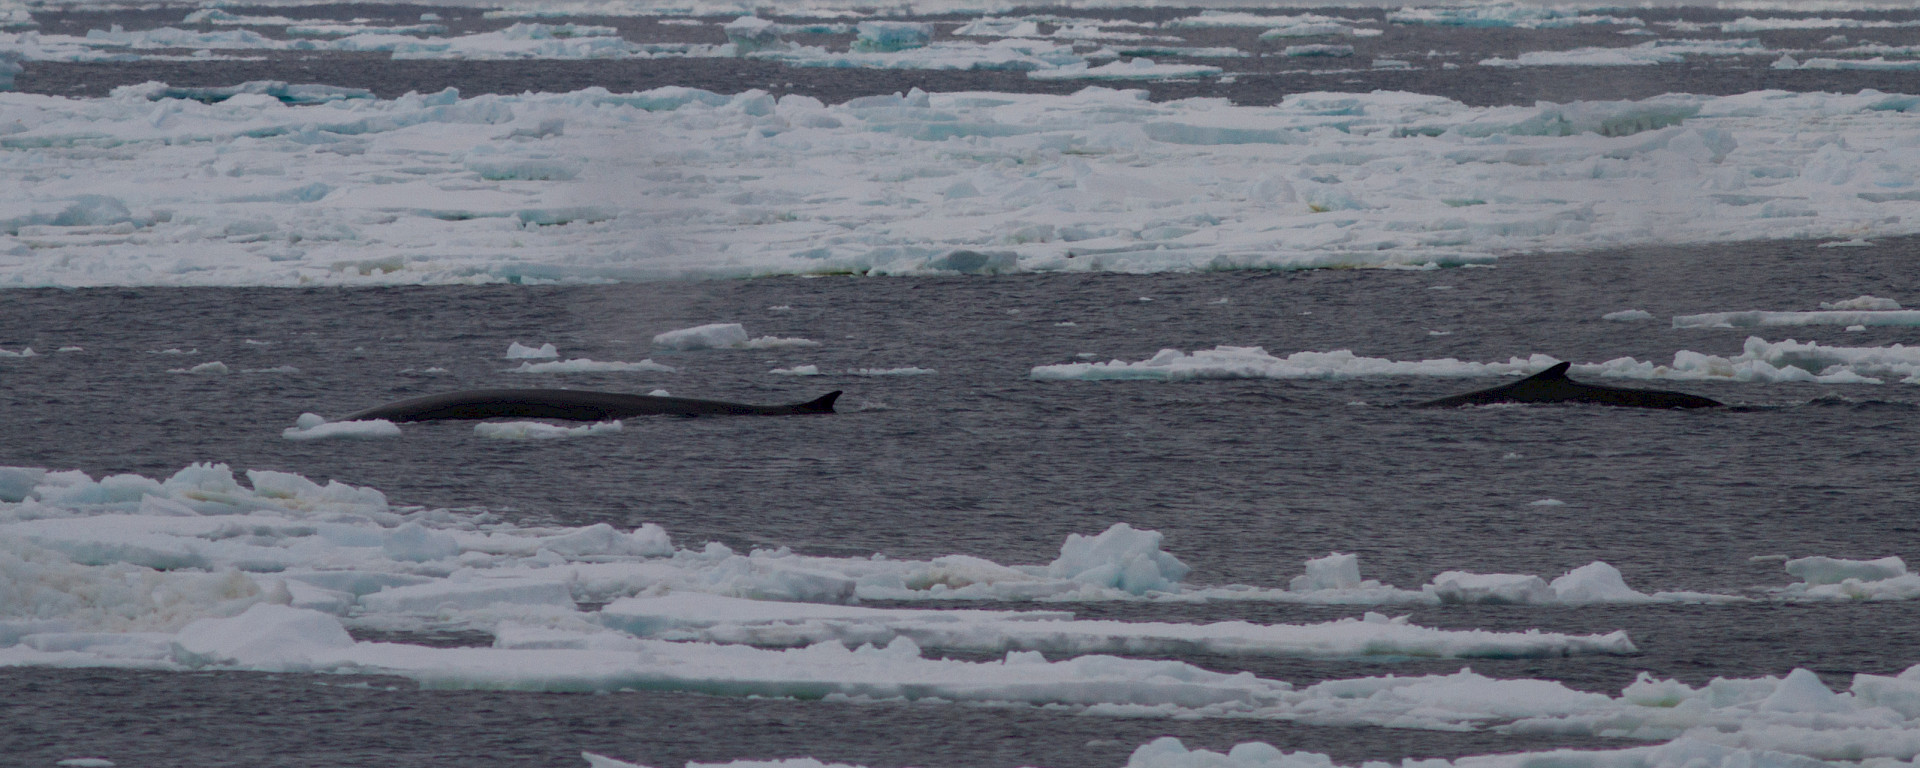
(573, 405)
(1553, 386)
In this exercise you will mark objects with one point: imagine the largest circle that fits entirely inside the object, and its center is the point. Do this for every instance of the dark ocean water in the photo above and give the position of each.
(1245, 478)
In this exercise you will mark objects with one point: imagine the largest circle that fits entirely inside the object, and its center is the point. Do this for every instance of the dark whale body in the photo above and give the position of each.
(571, 404)
(1553, 386)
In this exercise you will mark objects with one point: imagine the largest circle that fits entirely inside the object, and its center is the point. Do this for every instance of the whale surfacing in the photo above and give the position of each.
(1553, 386)
(572, 405)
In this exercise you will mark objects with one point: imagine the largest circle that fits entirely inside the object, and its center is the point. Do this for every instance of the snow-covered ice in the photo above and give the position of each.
(255, 190)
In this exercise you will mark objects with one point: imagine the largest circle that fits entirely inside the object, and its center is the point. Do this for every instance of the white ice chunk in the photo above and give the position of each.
(1802, 691)
(1819, 570)
(1335, 571)
(584, 365)
(16, 483)
(1628, 315)
(1754, 319)
(265, 637)
(711, 336)
(537, 430)
(1595, 582)
(604, 539)
(709, 618)
(1120, 557)
(1861, 302)
(414, 542)
(518, 351)
(1496, 588)
(312, 426)
(470, 594)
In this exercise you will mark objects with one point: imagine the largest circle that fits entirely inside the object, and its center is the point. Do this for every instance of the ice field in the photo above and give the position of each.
(437, 188)
(1028, 203)
(202, 571)
(278, 184)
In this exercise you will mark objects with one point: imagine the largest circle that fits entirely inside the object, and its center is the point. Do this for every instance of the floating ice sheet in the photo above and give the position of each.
(1644, 54)
(1837, 316)
(710, 618)
(531, 188)
(584, 365)
(538, 430)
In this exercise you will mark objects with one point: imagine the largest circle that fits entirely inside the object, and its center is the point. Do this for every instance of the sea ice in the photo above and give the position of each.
(712, 336)
(1759, 361)
(1132, 69)
(313, 426)
(709, 618)
(724, 336)
(1849, 315)
(584, 365)
(537, 430)
(1827, 578)
(1861, 303)
(1319, 180)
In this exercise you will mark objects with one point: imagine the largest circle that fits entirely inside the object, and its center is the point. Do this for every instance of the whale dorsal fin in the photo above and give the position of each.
(1557, 373)
(821, 404)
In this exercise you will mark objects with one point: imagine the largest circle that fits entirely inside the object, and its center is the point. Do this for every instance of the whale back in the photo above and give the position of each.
(572, 405)
(1553, 386)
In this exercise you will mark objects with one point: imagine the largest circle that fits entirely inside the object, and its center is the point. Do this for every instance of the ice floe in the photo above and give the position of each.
(1507, 14)
(539, 430)
(313, 426)
(709, 618)
(724, 336)
(1644, 54)
(585, 365)
(1827, 578)
(249, 188)
(1877, 63)
(1851, 315)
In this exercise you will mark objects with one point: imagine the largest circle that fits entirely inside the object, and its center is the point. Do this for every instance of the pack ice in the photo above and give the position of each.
(274, 184)
(200, 570)
(1759, 361)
